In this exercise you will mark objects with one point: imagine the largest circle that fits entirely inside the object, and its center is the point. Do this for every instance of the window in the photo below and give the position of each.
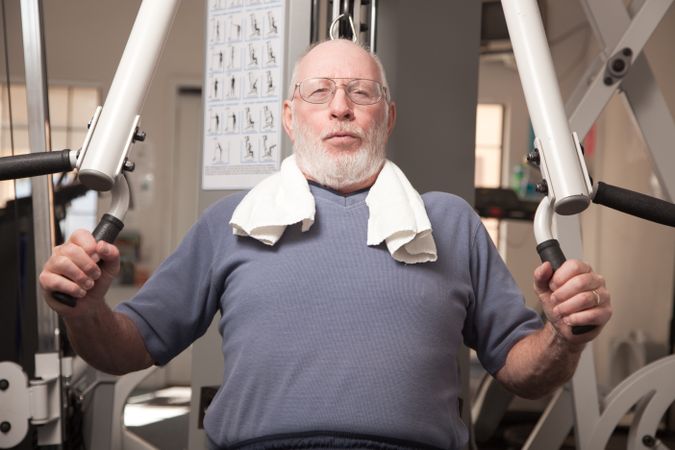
(70, 109)
(489, 139)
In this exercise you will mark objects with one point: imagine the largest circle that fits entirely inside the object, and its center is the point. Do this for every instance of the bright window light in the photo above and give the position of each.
(489, 141)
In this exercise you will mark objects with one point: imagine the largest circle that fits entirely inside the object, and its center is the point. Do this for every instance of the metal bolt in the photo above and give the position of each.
(5, 427)
(618, 65)
(139, 136)
(542, 187)
(648, 440)
(608, 81)
(533, 157)
(627, 52)
(4, 385)
(128, 166)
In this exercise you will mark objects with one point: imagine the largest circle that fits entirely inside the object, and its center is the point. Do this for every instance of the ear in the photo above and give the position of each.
(288, 119)
(392, 118)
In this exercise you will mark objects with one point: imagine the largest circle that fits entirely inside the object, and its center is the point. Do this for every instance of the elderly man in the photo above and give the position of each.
(344, 295)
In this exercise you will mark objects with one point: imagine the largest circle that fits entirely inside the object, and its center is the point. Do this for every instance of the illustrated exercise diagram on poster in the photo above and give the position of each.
(243, 92)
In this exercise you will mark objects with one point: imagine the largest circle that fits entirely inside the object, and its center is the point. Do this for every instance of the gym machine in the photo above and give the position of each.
(570, 190)
(100, 164)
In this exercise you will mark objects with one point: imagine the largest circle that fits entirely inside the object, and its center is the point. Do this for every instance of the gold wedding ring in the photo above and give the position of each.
(597, 297)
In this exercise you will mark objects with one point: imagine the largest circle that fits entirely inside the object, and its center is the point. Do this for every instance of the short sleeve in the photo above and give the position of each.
(497, 316)
(177, 304)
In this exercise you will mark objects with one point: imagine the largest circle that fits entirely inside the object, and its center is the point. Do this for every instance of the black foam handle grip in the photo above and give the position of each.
(106, 230)
(34, 164)
(550, 251)
(635, 204)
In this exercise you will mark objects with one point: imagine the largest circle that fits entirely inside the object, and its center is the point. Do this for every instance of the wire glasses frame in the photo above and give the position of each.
(359, 90)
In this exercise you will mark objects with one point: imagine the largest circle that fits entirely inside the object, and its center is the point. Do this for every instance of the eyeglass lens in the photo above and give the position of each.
(321, 90)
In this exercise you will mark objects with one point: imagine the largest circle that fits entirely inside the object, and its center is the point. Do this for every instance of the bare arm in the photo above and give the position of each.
(107, 340)
(544, 360)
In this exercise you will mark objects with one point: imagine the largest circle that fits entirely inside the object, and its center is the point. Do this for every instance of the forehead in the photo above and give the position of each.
(337, 59)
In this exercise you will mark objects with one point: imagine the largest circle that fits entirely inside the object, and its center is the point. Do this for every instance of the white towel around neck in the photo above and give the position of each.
(397, 214)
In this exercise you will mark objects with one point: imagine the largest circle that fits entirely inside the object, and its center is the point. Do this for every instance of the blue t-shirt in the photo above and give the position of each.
(322, 332)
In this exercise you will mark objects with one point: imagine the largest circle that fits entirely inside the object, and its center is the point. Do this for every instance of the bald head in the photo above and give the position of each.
(334, 56)
(339, 142)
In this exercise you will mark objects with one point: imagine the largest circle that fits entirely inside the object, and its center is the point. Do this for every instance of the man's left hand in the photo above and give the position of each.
(573, 296)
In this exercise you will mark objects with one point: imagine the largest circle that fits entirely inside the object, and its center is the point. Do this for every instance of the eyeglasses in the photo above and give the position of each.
(359, 91)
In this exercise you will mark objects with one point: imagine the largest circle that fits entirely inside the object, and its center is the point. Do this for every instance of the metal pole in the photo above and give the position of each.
(315, 23)
(373, 26)
(47, 358)
(561, 163)
(39, 141)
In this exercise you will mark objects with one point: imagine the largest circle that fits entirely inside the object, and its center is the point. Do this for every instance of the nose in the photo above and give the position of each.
(341, 106)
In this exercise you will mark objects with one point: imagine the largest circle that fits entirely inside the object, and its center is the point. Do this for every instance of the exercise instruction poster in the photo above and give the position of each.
(242, 92)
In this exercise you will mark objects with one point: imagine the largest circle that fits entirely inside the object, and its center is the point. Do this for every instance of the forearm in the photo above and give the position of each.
(539, 363)
(107, 340)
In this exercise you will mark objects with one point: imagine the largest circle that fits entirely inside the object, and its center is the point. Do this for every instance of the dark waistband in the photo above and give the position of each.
(326, 440)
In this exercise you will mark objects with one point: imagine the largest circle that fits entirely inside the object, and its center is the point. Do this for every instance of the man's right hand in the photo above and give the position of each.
(73, 269)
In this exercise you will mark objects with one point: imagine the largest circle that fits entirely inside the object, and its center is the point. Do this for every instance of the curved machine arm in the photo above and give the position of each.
(558, 151)
(114, 127)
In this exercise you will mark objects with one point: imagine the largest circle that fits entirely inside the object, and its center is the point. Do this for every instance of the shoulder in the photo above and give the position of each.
(216, 217)
(222, 209)
(443, 203)
(451, 215)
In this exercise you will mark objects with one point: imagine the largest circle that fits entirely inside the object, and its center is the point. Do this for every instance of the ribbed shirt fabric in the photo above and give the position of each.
(322, 332)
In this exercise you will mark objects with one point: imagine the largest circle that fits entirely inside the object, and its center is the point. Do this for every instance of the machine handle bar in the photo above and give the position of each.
(550, 251)
(635, 204)
(106, 230)
(34, 164)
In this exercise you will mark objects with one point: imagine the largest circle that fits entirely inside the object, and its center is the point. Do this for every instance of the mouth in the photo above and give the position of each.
(341, 135)
(342, 138)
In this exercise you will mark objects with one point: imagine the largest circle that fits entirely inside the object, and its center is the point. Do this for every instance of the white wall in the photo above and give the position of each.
(635, 256)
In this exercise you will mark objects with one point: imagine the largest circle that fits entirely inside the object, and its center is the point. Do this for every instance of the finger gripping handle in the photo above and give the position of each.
(550, 251)
(106, 230)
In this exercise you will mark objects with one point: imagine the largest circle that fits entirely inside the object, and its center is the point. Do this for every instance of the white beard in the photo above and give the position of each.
(340, 170)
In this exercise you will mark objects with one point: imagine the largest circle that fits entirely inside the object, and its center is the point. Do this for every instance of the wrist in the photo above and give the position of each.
(558, 340)
(87, 309)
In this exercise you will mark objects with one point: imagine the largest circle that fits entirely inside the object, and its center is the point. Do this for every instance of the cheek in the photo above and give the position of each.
(372, 119)
(311, 120)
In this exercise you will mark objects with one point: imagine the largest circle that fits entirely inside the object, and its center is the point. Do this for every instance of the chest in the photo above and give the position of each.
(326, 283)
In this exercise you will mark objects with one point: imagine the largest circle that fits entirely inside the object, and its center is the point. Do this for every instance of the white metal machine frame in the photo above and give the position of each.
(619, 68)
